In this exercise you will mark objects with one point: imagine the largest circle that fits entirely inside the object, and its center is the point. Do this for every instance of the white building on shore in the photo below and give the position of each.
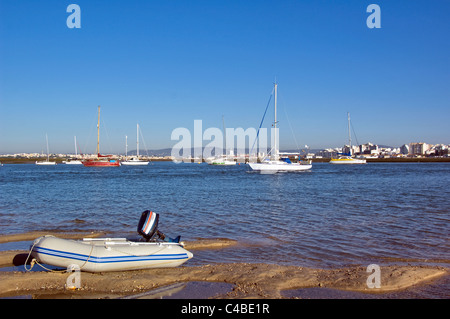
(372, 150)
(418, 148)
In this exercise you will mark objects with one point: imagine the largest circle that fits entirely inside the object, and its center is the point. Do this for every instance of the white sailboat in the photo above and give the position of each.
(223, 160)
(347, 158)
(47, 162)
(74, 162)
(133, 160)
(275, 164)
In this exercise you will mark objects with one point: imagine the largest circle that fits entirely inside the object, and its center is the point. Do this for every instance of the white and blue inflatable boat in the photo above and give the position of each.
(113, 254)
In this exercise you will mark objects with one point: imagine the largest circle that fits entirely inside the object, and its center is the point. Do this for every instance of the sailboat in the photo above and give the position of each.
(74, 162)
(134, 160)
(47, 162)
(346, 158)
(101, 160)
(223, 160)
(276, 164)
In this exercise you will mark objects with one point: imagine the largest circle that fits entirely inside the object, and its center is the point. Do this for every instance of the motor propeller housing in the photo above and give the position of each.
(148, 227)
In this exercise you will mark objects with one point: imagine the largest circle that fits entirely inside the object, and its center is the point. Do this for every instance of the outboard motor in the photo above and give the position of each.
(148, 224)
(148, 227)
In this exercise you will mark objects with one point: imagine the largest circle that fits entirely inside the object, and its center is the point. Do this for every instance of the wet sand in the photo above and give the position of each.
(246, 280)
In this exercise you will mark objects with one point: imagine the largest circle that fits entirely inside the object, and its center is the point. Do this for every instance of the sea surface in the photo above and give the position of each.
(331, 216)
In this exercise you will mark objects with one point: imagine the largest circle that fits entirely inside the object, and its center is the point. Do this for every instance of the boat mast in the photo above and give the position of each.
(224, 146)
(349, 134)
(137, 140)
(275, 147)
(46, 139)
(75, 141)
(98, 132)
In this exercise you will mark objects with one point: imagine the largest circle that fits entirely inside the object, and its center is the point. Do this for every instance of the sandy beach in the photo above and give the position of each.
(246, 280)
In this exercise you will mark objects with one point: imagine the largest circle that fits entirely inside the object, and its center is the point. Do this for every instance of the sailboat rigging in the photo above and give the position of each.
(276, 164)
(47, 162)
(134, 160)
(100, 160)
(75, 161)
(223, 159)
(346, 158)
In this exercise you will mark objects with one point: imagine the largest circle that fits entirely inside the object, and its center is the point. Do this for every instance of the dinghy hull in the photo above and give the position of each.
(108, 254)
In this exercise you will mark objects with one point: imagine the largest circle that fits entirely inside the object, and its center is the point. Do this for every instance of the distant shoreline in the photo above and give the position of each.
(59, 160)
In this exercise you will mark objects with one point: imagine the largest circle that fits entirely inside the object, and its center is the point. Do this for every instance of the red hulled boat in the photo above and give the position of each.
(101, 160)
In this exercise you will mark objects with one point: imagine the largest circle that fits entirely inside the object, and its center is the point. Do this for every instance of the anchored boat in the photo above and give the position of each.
(346, 158)
(101, 160)
(75, 161)
(134, 160)
(277, 164)
(114, 254)
(223, 160)
(47, 162)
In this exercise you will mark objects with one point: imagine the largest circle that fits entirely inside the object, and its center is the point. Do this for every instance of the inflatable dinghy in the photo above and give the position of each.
(114, 254)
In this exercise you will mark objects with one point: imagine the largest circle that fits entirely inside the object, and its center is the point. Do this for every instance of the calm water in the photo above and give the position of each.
(331, 216)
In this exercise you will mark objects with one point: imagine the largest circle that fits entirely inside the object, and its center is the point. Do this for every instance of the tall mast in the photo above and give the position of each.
(224, 146)
(137, 140)
(75, 141)
(349, 133)
(46, 139)
(98, 132)
(275, 125)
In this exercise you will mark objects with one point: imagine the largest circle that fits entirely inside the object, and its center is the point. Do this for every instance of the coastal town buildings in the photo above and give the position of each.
(419, 148)
(370, 150)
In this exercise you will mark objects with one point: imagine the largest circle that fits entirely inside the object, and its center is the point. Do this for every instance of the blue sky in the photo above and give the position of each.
(164, 64)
